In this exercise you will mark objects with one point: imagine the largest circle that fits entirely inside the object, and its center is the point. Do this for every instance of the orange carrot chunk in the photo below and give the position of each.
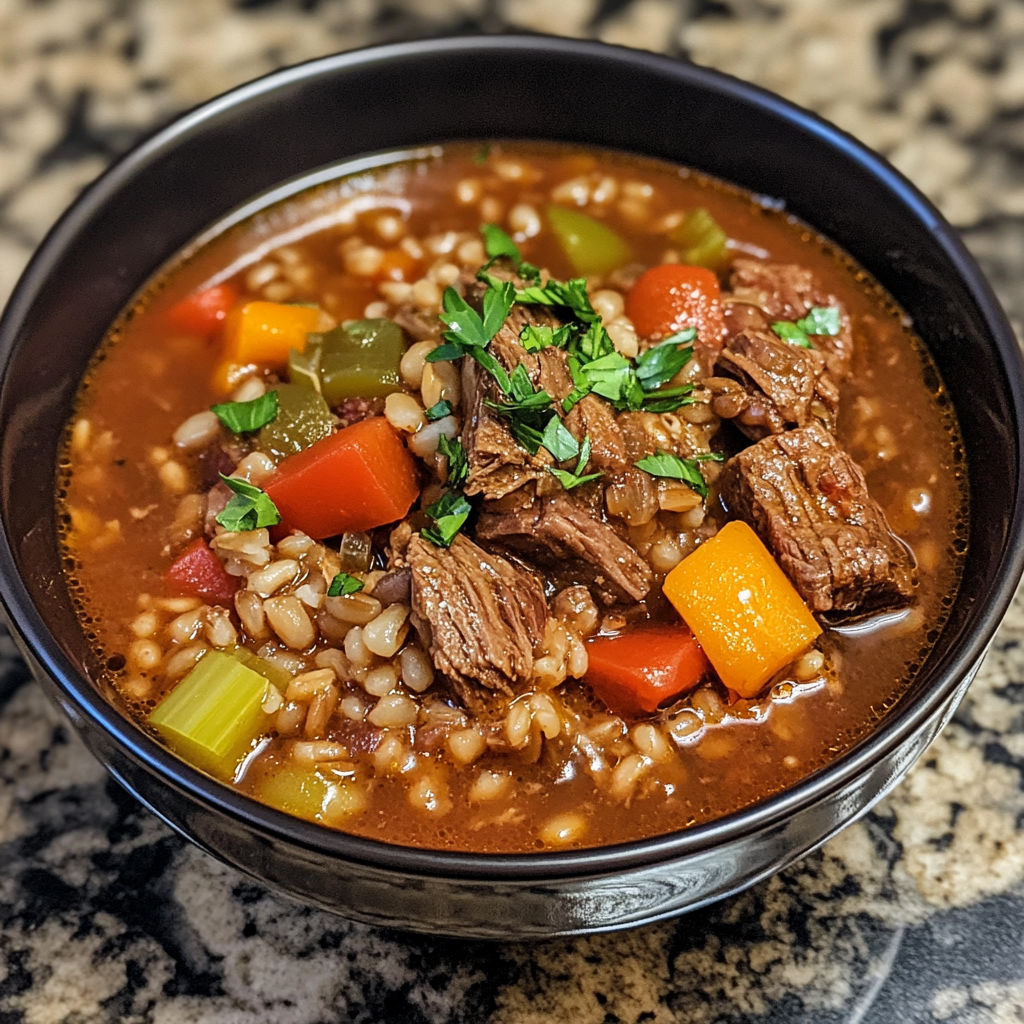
(265, 332)
(637, 671)
(205, 311)
(356, 479)
(672, 297)
(742, 608)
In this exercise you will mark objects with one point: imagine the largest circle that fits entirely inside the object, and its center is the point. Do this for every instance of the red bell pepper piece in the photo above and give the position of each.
(199, 572)
(203, 312)
(356, 479)
(636, 672)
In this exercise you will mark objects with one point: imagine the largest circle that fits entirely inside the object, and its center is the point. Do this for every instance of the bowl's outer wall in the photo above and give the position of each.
(172, 187)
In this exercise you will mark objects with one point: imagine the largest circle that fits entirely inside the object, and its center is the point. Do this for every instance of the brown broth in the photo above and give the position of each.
(147, 379)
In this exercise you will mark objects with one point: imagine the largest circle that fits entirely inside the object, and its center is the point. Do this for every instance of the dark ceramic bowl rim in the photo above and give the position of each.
(81, 698)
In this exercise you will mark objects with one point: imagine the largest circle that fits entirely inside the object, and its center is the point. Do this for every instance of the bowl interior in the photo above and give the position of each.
(214, 160)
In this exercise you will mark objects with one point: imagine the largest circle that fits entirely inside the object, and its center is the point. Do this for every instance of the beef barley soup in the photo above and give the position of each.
(512, 497)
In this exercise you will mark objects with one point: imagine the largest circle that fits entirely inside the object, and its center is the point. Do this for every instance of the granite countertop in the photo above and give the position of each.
(916, 913)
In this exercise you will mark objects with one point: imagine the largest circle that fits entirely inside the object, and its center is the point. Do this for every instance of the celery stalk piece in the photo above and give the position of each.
(324, 794)
(361, 360)
(701, 240)
(303, 418)
(212, 717)
(592, 247)
(278, 676)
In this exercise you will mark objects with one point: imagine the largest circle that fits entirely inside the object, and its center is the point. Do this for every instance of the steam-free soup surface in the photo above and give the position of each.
(483, 687)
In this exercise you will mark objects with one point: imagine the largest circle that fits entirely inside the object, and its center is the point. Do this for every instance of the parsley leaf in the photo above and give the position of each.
(241, 417)
(497, 303)
(498, 243)
(464, 324)
(438, 411)
(791, 333)
(557, 439)
(570, 480)
(449, 513)
(821, 320)
(660, 363)
(469, 335)
(664, 464)
(668, 399)
(609, 375)
(458, 462)
(343, 584)
(535, 337)
(249, 508)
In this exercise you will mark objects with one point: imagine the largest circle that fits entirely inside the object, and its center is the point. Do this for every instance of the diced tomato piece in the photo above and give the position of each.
(199, 572)
(203, 312)
(638, 671)
(356, 479)
(672, 297)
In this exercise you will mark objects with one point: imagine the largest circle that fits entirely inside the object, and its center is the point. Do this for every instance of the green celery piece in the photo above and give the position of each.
(278, 676)
(303, 418)
(591, 247)
(361, 360)
(304, 367)
(212, 717)
(310, 792)
(701, 240)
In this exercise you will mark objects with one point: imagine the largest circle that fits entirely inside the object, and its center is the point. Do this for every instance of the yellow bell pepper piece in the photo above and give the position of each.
(742, 608)
(265, 332)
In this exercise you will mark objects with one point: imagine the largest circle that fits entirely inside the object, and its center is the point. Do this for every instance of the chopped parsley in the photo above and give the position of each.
(665, 464)
(535, 337)
(557, 439)
(343, 584)
(469, 335)
(498, 243)
(438, 411)
(449, 513)
(661, 362)
(242, 417)
(458, 463)
(570, 480)
(249, 508)
(819, 320)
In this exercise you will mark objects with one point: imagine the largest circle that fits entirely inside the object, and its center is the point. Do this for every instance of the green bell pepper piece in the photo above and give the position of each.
(303, 418)
(304, 367)
(701, 240)
(591, 247)
(360, 360)
(214, 715)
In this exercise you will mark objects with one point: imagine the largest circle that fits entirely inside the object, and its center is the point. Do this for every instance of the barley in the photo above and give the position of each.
(352, 708)
(699, 413)
(623, 338)
(342, 801)
(363, 260)
(183, 660)
(144, 655)
(396, 292)
(290, 664)
(357, 609)
(256, 467)
(288, 619)
(425, 442)
(675, 496)
(441, 245)
(290, 719)
(563, 829)
(386, 633)
(491, 209)
(417, 669)
(809, 666)
(392, 710)
(307, 685)
(626, 775)
(466, 745)
(575, 191)
(471, 253)
(249, 390)
(321, 707)
(604, 191)
(197, 430)
(273, 700)
(335, 660)
(414, 361)
(545, 715)
(316, 751)
(430, 793)
(295, 545)
(403, 412)
(426, 295)
(219, 630)
(379, 682)
(684, 726)
(444, 274)
(260, 275)
(634, 210)
(517, 725)
(412, 247)
(375, 311)
(608, 304)
(467, 192)
(145, 624)
(637, 189)
(250, 613)
(174, 477)
(490, 786)
(389, 227)
(514, 170)
(272, 578)
(692, 519)
(187, 625)
(81, 435)
(578, 661)
(356, 650)
(650, 742)
(524, 220)
(665, 554)
(440, 382)
(549, 671)
(391, 755)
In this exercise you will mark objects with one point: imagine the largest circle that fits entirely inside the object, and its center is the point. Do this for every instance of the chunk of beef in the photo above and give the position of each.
(562, 531)
(484, 616)
(785, 291)
(354, 410)
(784, 385)
(809, 502)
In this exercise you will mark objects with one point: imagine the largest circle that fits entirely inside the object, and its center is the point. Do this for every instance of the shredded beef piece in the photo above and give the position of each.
(484, 615)
(561, 530)
(422, 326)
(809, 502)
(353, 410)
(221, 456)
(785, 385)
(787, 292)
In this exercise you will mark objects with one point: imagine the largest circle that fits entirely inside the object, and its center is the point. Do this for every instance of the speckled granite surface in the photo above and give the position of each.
(915, 914)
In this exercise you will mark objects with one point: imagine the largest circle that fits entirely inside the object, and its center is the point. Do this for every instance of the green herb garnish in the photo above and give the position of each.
(660, 363)
(458, 463)
(557, 439)
(249, 508)
(469, 335)
(438, 411)
(343, 584)
(791, 333)
(664, 464)
(449, 513)
(242, 417)
(498, 243)
(534, 337)
(570, 480)
(821, 320)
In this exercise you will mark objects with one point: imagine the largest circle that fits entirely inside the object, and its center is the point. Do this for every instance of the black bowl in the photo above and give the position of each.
(241, 145)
